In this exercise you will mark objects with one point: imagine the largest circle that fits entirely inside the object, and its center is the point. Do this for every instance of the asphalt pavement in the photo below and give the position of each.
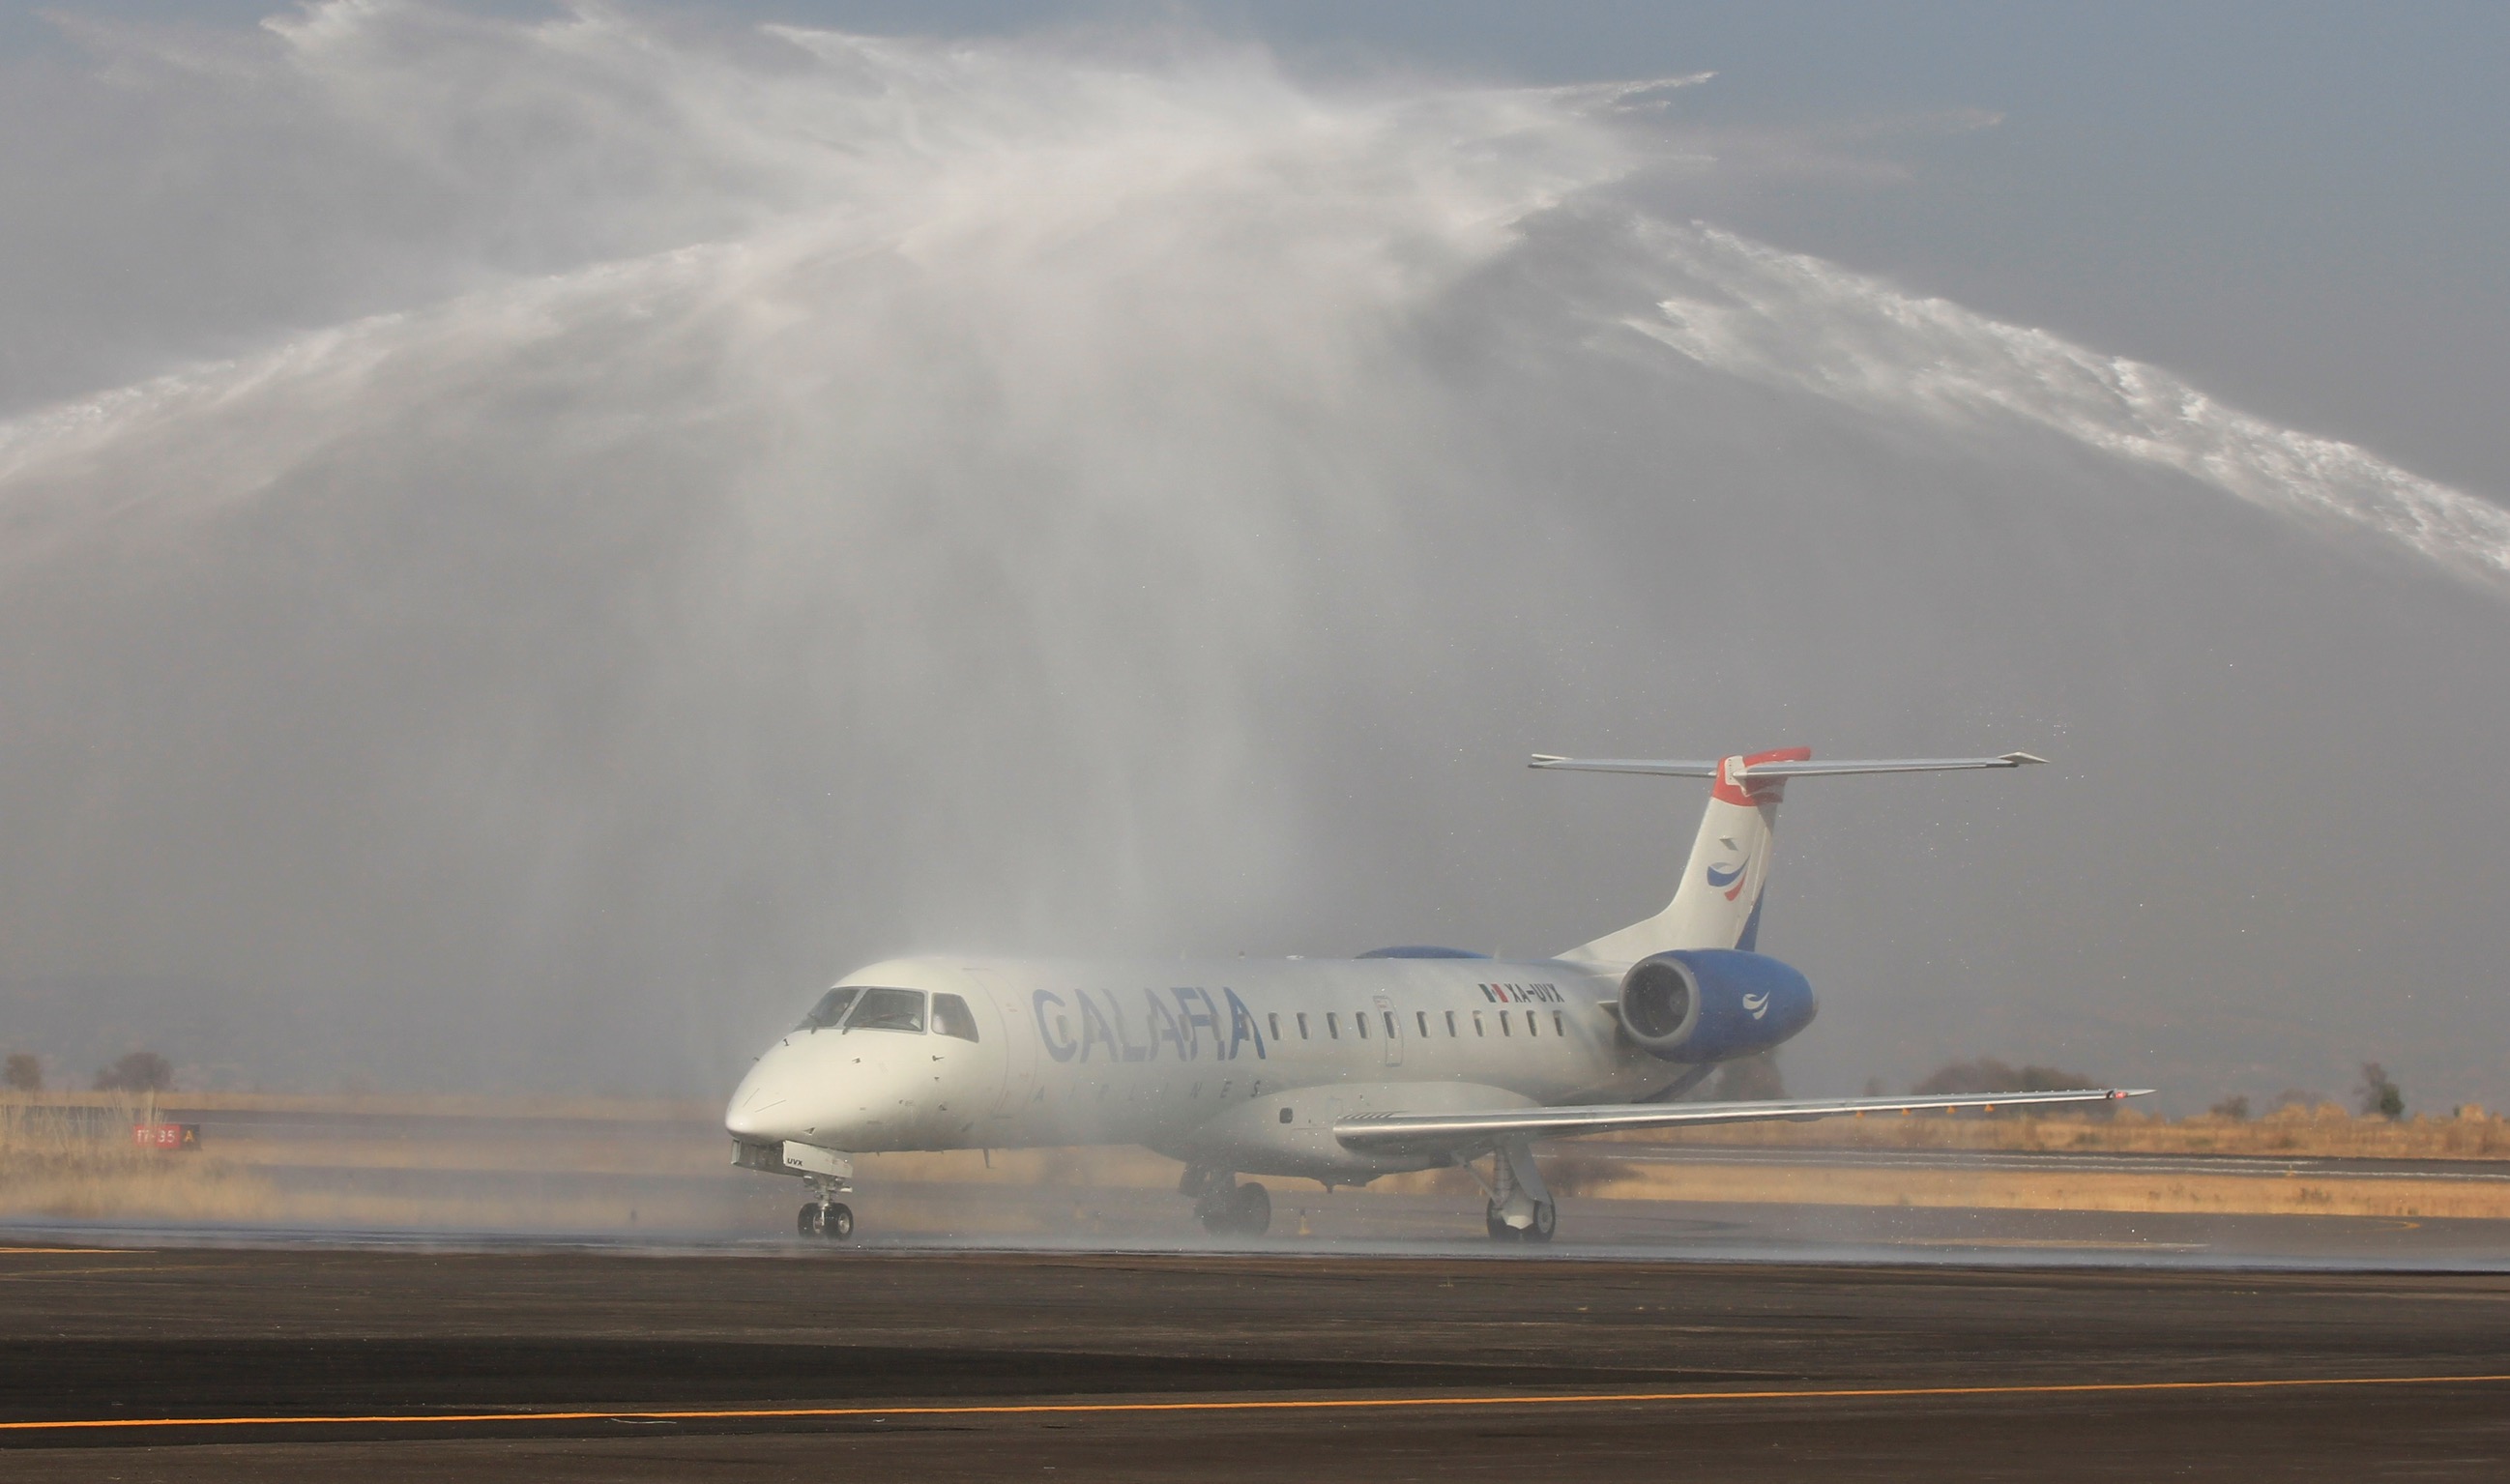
(782, 1360)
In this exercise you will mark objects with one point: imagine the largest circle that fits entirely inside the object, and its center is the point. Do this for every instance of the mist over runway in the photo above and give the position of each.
(644, 515)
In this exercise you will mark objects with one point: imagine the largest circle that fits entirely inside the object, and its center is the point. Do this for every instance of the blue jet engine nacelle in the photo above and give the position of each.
(1702, 1005)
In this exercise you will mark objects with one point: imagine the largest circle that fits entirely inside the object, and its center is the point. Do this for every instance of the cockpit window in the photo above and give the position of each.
(888, 1009)
(831, 1009)
(952, 1017)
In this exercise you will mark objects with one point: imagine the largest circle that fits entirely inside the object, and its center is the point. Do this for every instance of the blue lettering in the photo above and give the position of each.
(1241, 1026)
(1060, 1050)
(1132, 1052)
(1093, 1028)
(1164, 1026)
(1191, 1018)
(1220, 1051)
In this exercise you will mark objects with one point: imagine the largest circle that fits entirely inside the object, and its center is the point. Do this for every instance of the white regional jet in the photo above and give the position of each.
(1334, 1070)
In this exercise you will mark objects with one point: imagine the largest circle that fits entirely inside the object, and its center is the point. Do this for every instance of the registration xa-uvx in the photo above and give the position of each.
(1333, 1070)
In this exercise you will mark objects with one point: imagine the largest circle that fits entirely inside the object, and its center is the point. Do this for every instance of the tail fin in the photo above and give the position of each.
(1717, 903)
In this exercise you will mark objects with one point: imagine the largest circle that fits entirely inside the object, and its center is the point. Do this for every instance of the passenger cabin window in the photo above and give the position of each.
(888, 1009)
(1359, 1023)
(831, 1009)
(1502, 1024)
(1303, 1025)
(952, 1017)
(1533, 1025)
(1277, 1024)
(1559, 1027)
(1332, 1026)
(1424, 1020)
(1389, 1025)
(1477, 1024)
(1451, 1022)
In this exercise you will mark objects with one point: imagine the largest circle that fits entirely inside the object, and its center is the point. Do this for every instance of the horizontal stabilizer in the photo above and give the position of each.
(1388, 1132)
(1779, 769)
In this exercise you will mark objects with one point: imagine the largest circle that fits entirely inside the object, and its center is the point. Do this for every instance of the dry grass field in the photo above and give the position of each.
(88, 1165)
(452, 1163)
(2327, 1131)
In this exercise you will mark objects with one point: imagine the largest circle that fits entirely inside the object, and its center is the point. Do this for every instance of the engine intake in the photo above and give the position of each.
(1699, 1004)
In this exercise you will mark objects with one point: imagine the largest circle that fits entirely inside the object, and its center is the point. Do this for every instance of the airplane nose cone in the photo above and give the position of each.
(759, 1105)
(743, 1121)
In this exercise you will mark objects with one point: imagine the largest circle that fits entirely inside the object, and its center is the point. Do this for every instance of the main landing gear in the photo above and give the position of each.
(1546, 1220)
(1224, 1207)
(1520, 1209)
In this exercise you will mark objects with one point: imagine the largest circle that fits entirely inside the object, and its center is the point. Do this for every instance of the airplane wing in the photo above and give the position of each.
(1394, 1132)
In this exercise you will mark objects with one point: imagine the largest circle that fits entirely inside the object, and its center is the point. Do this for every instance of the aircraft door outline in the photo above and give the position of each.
(1017, 1041)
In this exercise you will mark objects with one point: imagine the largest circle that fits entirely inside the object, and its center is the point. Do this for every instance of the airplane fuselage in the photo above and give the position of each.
(1240, 1064)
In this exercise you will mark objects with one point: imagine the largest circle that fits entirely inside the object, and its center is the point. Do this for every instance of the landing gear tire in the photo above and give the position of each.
(1253, 1210)
(1546, 1220)
(1234, 1210)
(834, 1221)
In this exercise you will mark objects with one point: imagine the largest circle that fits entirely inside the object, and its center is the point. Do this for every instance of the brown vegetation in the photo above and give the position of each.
(2195, 1191)
(70, 1155)
(2326, 1132)
(433, 1105)
(83, 1162)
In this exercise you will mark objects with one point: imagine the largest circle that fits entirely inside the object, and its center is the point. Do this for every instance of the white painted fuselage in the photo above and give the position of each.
(1238, 1064)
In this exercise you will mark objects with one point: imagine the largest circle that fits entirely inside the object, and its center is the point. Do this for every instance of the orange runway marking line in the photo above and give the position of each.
(1377, 1403)
(39, 1275)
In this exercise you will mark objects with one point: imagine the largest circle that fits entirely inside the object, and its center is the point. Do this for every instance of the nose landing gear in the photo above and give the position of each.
(834, 1220)
(826, 1216)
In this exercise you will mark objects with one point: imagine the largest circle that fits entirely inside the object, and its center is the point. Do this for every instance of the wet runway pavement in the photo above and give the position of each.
(912, 1217)
(785, 1362)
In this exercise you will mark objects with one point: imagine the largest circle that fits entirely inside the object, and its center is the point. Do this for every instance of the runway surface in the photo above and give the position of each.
(784, 1362)
(1096, 1220)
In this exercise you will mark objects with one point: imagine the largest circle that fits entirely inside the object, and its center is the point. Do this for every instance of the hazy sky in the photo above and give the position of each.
(2298, 205)
(526, 544)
